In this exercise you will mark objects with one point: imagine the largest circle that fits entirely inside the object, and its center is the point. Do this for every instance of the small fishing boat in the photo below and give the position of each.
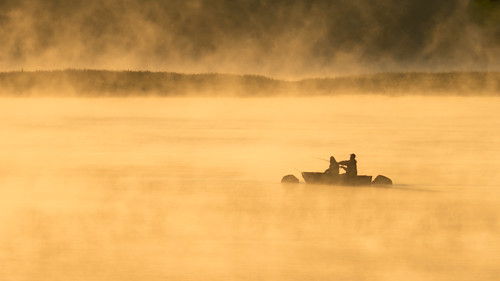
(332, 176)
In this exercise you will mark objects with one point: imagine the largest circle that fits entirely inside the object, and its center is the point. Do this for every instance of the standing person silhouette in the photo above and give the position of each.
(350, 167)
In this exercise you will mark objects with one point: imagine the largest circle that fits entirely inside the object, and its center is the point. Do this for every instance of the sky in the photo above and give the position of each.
(278, 38)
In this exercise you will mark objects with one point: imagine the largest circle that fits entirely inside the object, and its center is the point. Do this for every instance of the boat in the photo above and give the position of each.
(328, 178)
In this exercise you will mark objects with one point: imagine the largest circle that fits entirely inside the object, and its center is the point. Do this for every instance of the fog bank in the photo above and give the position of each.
(286, 39)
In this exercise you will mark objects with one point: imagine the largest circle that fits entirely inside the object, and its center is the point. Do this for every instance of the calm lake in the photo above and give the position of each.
(189, 189)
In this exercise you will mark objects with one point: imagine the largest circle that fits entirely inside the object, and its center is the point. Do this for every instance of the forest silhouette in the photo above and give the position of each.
(101, 83)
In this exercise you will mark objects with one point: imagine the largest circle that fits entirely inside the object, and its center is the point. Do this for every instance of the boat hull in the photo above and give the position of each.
(327, 178)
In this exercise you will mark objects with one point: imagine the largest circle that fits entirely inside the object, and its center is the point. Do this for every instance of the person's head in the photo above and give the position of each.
(332, 159)
(353, 156)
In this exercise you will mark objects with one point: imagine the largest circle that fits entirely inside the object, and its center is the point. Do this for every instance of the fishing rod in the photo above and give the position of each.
(322, 159)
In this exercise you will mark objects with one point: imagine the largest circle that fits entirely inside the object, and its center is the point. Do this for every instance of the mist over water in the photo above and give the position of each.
(284, 39)
(188, 188)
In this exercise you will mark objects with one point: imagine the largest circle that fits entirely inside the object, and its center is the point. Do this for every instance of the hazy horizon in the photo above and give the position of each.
(99, 83)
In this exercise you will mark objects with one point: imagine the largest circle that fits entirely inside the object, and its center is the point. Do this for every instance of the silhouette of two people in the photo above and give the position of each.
(350, 167)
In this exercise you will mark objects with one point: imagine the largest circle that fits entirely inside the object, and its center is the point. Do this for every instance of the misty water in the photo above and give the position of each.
(189, 189)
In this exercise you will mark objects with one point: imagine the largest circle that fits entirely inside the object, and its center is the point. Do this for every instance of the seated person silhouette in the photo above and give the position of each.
(334, 167)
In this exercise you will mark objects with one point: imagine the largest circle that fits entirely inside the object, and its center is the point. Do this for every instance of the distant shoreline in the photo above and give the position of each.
(104, 83)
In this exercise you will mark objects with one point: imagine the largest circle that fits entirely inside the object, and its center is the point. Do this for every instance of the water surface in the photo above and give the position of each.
(188, 189)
